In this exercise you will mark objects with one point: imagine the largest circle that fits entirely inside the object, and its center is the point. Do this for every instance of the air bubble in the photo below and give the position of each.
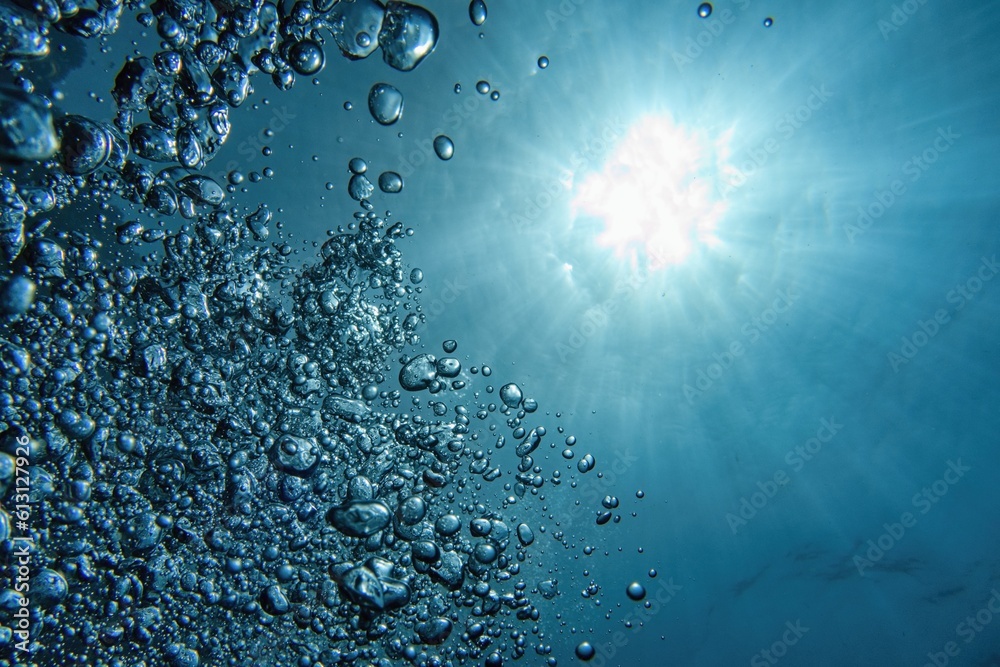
(26, 128)
(444, 147)
(390, 182)
(636, 591)
(419, 373)
(354, 25)
(477, 12)
(385, 103)
(359, 187)
(306, 57)
(409, 34)
(357, 165)
(585, 651)
(17, 295)
(511, 395)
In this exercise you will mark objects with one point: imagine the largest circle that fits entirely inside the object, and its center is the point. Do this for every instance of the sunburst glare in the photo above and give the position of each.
(656, 194)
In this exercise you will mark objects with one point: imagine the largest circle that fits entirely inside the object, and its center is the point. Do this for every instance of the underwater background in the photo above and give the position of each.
(740, 254)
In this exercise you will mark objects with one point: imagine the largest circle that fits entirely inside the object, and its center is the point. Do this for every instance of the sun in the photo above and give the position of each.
(655, 194)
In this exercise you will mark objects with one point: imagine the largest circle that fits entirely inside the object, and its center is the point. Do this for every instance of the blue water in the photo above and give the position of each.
(806, 407)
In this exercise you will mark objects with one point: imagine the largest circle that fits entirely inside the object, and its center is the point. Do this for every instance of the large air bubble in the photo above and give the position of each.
(385, 103)
(26, 129)
(409, 34)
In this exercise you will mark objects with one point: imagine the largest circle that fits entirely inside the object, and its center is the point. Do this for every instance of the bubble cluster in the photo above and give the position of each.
(222, 467)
